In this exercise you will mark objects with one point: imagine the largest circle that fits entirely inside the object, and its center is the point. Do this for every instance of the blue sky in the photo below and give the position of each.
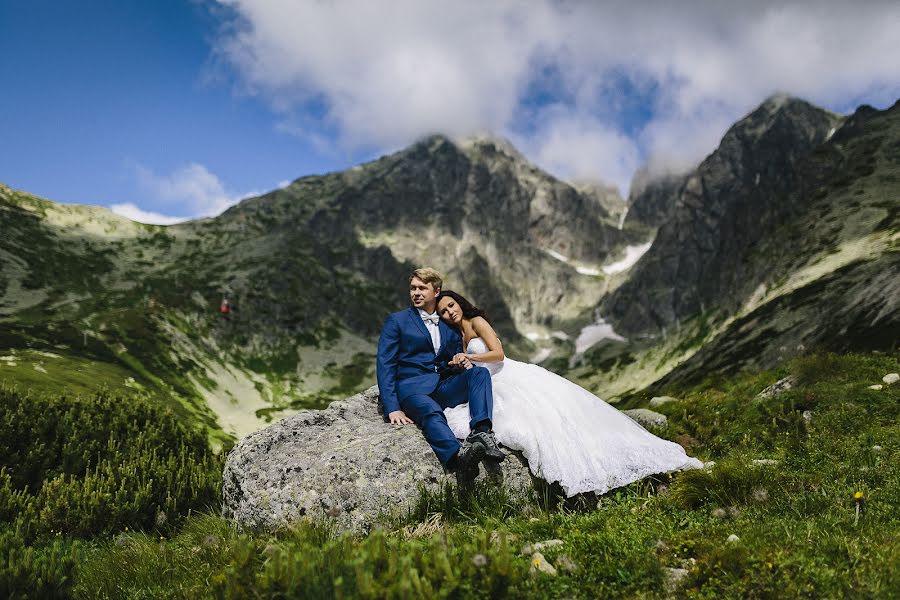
(180, 108)
(99, 94)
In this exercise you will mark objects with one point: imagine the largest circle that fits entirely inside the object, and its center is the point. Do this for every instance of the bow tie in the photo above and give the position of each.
(433, 319)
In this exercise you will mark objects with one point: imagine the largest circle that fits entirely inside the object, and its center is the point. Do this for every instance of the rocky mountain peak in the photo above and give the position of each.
(720, 210)
(489, 145)
(781, 113)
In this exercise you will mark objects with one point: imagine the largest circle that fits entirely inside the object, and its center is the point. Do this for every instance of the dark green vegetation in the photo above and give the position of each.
(802, 531)
(80, 468)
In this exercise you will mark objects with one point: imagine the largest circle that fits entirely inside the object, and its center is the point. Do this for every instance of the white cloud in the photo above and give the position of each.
(576, 145)
(192, 191)
(384, 73)
(133, 212)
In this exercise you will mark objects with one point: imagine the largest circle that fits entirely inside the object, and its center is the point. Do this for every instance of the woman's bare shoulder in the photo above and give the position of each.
(481, 325)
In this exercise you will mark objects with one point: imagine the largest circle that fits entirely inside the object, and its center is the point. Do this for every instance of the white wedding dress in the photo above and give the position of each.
(567, 434)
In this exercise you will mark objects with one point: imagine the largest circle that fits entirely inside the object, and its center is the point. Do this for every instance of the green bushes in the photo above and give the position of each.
(85, 468)
(210, 558)
(27, 572)
(92, 466)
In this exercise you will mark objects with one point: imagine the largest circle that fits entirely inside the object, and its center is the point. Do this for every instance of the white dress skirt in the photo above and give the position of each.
(567, 434)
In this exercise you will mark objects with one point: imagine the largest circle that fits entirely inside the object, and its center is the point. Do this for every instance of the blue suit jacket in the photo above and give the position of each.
(406, 363)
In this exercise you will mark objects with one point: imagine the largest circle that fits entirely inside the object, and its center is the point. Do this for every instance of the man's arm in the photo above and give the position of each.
(386, 371)
(453, 365)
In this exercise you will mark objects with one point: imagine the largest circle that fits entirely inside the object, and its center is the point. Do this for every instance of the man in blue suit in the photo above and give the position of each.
(421, 371)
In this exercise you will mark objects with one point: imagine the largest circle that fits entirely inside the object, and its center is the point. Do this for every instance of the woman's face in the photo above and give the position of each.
(449, 311)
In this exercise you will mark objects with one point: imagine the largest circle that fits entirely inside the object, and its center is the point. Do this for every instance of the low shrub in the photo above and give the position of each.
(92, 466)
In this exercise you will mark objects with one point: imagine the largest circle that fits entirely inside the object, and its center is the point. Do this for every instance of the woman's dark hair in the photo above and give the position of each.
(469, 310)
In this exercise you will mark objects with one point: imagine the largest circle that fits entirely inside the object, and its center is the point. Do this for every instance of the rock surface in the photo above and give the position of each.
(711, 220)
(647, 418)
(777, 388)
(658, 401)
(343, 462)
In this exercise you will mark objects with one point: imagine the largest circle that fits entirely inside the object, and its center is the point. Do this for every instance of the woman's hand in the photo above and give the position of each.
(461, 360)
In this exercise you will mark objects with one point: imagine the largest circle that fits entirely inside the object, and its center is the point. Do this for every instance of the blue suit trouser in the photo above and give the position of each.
(427, 411)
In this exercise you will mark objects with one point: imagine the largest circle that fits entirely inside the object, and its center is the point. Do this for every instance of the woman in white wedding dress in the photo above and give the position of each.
(567, 434)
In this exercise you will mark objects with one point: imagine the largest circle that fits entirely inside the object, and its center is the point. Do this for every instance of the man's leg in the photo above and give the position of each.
(429, 416)
(472, 386)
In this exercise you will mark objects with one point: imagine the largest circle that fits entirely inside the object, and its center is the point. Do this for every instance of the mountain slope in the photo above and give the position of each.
(310, 272)
(783, 240)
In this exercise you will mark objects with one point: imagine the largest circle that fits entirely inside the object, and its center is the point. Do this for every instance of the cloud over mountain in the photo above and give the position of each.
(623, 82)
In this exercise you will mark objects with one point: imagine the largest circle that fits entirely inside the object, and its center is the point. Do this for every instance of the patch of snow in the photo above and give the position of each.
(583, 269)
(40, 369)
(560, 335)
(557, 256)
(540, 355)
(535, 336)
(622, 218)
(588, 270)
(830, 133)
(590, 335)
(47, 354)
(632, 255)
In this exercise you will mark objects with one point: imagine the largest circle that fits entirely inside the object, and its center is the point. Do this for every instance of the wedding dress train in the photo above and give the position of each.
(567, 434)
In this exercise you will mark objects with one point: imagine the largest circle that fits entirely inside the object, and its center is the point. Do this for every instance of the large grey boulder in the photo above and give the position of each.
(344, 463)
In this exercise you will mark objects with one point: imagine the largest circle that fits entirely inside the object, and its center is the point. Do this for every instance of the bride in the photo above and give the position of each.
(567, 434)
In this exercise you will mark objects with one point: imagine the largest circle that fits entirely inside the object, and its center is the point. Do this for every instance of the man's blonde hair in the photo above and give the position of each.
(428, 275)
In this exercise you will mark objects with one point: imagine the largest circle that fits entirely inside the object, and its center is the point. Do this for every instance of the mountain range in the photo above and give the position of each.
(784, 239)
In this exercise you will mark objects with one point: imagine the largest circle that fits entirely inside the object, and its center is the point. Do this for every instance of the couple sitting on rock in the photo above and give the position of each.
(441, 366)
(423, 370)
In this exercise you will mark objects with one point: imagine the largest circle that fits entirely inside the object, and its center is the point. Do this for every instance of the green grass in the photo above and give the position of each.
(799, 531)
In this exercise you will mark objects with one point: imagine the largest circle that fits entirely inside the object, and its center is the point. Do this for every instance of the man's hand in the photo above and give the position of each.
(461, 360)
(398, 417)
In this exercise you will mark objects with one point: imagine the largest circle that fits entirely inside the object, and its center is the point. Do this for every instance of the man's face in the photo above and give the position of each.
(421, 294)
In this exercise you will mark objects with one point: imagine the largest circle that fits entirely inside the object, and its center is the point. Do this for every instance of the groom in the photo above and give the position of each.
(422, 370)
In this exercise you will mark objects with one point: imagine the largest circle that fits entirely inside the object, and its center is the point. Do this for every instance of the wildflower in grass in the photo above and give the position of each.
(479, 560)
(860, 500)
(211, 540)
(760, 494)
(121, 540)
(160, 518)
(719, 513)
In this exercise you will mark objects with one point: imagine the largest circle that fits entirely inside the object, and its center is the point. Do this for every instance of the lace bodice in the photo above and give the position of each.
(477, 346)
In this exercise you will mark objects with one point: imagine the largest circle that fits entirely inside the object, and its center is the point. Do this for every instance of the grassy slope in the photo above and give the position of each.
(89, 300)
(796, 520)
